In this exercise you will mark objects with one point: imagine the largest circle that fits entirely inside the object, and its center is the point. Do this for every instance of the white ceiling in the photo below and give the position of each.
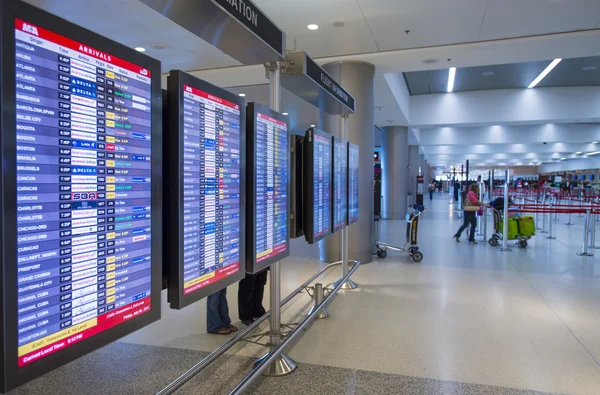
(451, 32)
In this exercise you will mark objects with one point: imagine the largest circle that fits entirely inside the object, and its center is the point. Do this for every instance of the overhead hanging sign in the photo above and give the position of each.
(306, 79)
(237, 27)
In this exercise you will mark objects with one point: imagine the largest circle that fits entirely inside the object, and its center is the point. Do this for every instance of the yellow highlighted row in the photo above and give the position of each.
(198, 280)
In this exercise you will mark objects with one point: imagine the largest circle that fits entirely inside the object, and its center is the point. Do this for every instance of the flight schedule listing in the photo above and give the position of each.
(340, 175)
(211, 189)
(322, 185)
(83, 130)
(271, 186)
(352, 183)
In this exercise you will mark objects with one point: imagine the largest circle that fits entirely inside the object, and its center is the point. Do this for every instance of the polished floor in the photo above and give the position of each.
(468, 319)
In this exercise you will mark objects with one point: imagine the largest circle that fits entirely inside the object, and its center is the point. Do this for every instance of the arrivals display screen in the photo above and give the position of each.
(268, 190)
(81, 170)
(339, 201)
(318, 185)
(206, 187)
(352, 183)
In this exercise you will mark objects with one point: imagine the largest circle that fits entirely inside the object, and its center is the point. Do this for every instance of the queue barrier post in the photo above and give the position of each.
(586, 234)
(544, 216)
(550, 227)
(318, 297)
(569, 215)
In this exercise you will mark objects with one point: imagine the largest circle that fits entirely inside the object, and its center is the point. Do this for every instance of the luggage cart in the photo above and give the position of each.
(494, 241)
(411, 248)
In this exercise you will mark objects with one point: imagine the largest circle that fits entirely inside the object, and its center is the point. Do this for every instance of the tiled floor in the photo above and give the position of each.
(466, 320)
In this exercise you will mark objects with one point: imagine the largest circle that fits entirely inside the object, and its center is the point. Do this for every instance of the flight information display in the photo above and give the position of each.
(83, 191)
(319, 179)
(340, 183)
(211, 181)
(268, 151)
(81, 160)
(352, 183)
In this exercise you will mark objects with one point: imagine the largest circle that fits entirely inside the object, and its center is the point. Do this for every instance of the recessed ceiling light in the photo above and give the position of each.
(241, 94)
(592, 153)
(544, 73)
(430, 61)
(312, 26)
(285, 113)
(589, 68)
(594, 142)
(578, 153)
(451, 75)
(140, 49)
(312, 126)
(337, 23)
(487, 73)
(563, 158)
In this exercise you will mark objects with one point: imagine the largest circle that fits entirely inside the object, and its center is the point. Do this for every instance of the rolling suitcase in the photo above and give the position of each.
(526, 226)
(513, 228)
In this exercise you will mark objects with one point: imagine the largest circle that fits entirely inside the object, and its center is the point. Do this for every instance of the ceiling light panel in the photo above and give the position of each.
(544, 73)
(451, 75)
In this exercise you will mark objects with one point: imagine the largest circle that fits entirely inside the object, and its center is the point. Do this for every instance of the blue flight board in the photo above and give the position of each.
(319, 181)
(353, 161)
(340, 184)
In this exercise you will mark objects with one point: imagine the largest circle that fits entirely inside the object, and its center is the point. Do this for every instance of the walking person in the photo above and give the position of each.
(217, 314)
(431, 190)
(471, 206)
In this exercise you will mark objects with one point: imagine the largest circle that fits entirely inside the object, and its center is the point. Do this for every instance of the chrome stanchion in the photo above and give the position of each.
(544, 216)
(485, 225)
(556, 201)
(581, 203)
(504, 247)
(586, 233)
(281, 364)
(550, 235)
(318, 297)
(569, 215)
(537, 215)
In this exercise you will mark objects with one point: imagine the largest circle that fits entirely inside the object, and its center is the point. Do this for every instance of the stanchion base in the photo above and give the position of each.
(584, 254)
(282, 365)
(321, 314)
(504, 249)
(347, 285)
(550, 238)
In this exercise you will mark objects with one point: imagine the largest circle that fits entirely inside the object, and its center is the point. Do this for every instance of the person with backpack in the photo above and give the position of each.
(431, 190)
(471, 206)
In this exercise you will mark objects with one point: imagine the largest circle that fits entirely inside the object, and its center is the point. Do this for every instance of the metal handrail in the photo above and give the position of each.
(274, 353)
(210, 358)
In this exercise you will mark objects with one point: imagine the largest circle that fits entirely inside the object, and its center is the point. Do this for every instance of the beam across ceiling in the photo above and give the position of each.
(487, 149)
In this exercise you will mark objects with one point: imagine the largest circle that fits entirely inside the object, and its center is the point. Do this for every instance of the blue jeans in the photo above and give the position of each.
(217, 311)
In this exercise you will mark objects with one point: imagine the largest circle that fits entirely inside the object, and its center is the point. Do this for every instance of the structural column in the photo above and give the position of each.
(358, 79)
(394, 170)
(414, 161)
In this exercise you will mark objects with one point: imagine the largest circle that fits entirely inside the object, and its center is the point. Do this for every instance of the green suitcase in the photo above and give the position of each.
(526, 226)
(513, 228)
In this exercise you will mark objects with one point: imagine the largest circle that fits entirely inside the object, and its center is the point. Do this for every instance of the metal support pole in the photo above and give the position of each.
(581, 203)
(569, 215)
(556, 202)
(485, 226)
(344, 233)
(550, 235)
(586, 233)
(481, 199)
(318, 297)
(504, 247)
(282, 364)
(544, 216)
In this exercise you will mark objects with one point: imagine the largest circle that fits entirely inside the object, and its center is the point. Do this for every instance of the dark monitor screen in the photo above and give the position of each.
(297, 197)
(353, 161)
(340, 184)
(318, 185)
(81, 200)
(268, 189)
(206, 163)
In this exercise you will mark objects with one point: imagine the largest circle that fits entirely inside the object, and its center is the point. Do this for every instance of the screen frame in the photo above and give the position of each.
(350, 221)
(335, 140)
(173, 146)
(309, 217)
(12, 375)
(252, 266)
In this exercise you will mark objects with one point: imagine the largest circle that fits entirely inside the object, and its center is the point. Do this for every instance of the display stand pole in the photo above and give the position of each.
(283, 364)
(344, 232)
(505, 222)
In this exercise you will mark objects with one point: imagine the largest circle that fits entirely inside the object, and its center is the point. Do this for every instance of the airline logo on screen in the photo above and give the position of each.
(30, 29)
